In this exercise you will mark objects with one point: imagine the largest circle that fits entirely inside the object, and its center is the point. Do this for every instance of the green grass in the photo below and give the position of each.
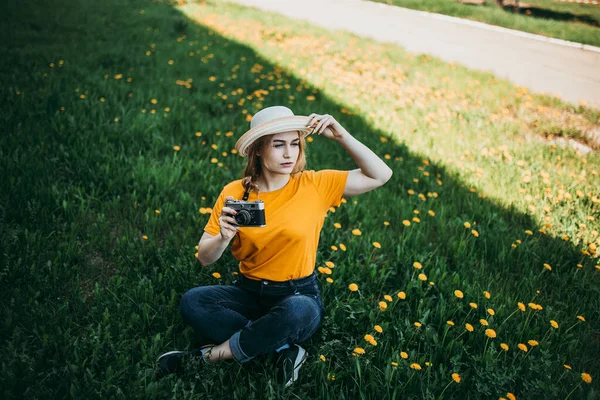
(87, 157)
(568, 21)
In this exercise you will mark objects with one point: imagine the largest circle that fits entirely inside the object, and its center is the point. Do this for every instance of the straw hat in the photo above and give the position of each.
(271, 120)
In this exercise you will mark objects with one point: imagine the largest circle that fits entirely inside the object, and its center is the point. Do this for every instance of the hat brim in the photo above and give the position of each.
(277, 125)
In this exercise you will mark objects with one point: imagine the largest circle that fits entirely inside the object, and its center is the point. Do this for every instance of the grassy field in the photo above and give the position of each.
(568, 21)
(119, 124)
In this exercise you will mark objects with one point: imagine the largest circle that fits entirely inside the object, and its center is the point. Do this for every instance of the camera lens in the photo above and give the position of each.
(243, 217)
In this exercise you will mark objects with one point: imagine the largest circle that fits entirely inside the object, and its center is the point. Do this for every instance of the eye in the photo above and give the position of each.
(278, 145)
(295, 144)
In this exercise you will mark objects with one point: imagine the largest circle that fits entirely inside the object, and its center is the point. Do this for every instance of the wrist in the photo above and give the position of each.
(343, 135)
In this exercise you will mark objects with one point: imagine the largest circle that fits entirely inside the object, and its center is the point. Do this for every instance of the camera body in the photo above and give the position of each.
(249, 213)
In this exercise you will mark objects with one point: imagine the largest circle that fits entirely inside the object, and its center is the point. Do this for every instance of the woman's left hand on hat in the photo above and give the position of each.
(326, 126)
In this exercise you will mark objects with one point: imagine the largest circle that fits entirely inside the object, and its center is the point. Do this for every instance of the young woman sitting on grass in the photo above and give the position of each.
(275, 304)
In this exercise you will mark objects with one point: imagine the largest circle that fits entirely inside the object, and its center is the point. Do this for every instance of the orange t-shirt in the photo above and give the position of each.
(286, 248)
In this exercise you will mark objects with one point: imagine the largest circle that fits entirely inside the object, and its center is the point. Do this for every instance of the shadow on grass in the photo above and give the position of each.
(88, 304)
(545, 13)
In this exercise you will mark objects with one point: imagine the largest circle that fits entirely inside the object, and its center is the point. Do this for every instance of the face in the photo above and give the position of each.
(281, 153)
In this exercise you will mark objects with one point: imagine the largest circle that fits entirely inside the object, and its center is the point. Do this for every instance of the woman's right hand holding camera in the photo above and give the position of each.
(229, 227)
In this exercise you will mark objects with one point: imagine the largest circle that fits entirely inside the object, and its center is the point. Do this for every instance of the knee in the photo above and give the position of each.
(303, 310)
(191, 301)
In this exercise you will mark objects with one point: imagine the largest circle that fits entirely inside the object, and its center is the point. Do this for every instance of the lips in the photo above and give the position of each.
(287, 164)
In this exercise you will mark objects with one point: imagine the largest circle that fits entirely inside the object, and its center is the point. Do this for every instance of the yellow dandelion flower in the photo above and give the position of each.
(356, 232)
(377, 245)
(418, 324)
(388, 297)
(430, 212)
(456, 377)
(459, 294)
(417, 265)
(491, 311)
(581, 318)
(467, 225)
(483, 322)
(329, 264)
(522, 347)
(337, 225)
(490, 333)
(382, 305)
(587, 378)
(427, 363)
(378, 328)
(359, 350)
(548, 267)
(450, 323)
(176, 148)
(404, 355)
(528, 232)
(511, 396)
(369, 338)
(353, 287)
(504, 346)
(473, 305)
(322, 357)
(342, 246)
(145, 237)
(487, 294)
(532, 342)
(415, 366)
(554, 324)
(216, 275)
(329, 280)
(423, 277)
(373, 342)
(521, 306)
(475, 233)
(406, 222)
(469, 327)
(334, 248)
(394, 364)
(157, 211)
(386, 223)
(567, 366)
(401, 295)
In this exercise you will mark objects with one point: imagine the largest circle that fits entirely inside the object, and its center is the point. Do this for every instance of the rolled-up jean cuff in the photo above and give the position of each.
(234, 344)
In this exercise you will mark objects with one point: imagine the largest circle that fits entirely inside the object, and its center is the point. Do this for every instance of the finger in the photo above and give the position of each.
(322, 124)
(228, 210)
(228, 220)
(312, 118)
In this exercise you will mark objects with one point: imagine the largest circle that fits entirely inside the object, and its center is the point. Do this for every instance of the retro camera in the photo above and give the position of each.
(249, 213)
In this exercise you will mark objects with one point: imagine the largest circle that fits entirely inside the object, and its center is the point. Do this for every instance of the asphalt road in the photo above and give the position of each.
(565, 71)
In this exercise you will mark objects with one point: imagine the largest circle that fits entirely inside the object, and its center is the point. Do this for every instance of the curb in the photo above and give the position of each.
(490, 27)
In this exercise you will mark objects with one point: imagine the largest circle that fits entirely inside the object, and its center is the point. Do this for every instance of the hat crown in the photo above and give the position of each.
(270, 113)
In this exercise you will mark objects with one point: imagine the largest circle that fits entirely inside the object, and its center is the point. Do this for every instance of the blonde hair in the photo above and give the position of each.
(253, 168)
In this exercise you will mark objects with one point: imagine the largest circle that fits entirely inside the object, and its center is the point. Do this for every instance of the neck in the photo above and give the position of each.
(269, 182)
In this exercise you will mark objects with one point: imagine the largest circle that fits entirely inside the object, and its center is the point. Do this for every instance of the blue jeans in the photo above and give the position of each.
(257, 316)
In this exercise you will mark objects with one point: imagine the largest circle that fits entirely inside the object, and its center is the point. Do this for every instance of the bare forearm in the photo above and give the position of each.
(369, 163)
(211, 249)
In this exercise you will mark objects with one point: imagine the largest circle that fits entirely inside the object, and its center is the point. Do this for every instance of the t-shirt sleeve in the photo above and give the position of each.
(212, 226)
(331, 184)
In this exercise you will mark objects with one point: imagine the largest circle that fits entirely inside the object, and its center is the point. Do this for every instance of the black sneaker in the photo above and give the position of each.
(289, 362)
(171, 362)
